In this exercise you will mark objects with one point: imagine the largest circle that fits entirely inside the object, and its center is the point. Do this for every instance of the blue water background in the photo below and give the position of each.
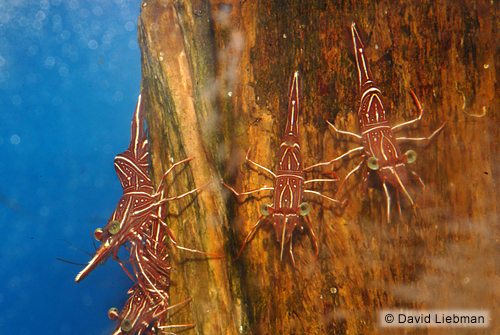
(69, 81)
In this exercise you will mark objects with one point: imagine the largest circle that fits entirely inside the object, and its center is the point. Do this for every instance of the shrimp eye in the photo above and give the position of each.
(126, 325)
(98, 234)
(411, 156)
(305, 208)
(264, 210)
(373, 163)
(114, 227)
(113, 313)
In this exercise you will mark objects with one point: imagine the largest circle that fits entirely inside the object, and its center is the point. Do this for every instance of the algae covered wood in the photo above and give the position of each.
(215, 83)
(181, 124)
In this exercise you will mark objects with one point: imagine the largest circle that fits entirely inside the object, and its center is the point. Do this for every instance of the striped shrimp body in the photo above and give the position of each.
(379, 147)
(289, 182)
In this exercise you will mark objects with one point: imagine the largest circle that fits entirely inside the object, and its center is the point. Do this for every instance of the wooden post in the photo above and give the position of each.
(215, 80)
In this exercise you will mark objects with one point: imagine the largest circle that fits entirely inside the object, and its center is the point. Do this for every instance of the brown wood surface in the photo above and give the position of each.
(215, 79)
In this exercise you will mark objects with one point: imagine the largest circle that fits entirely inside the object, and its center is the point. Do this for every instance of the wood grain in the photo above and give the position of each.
(215, 79)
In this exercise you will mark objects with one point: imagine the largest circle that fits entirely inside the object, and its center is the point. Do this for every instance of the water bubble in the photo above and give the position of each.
(104, 84)
(74, 4)
(66, 48)
(93, 44)
(11, 13)
(57, 101)
(68, 230)
(40, 15)
(63, 70)
(39, 110)
(15, 139)
(4, 18)
(2, 61)
(97, 11)
(96, 25)
(84, 13)
(87, 301)
(127, 14)
(16, 100)
(106, 39)
(129, 26)
(33, 50)
(15, 281)
(106, 47)
(44, 211)
(37, 25)
(56, 19)
(23, 22)
(111, 32)
(67, 85)
(31, 78)
(66, 34)
(118, 96)
(44, 4)
(77, 28)
(57, 28)
(50, 62)
(56, 2)
(132, 44)
(33, 100)
(41, 192)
